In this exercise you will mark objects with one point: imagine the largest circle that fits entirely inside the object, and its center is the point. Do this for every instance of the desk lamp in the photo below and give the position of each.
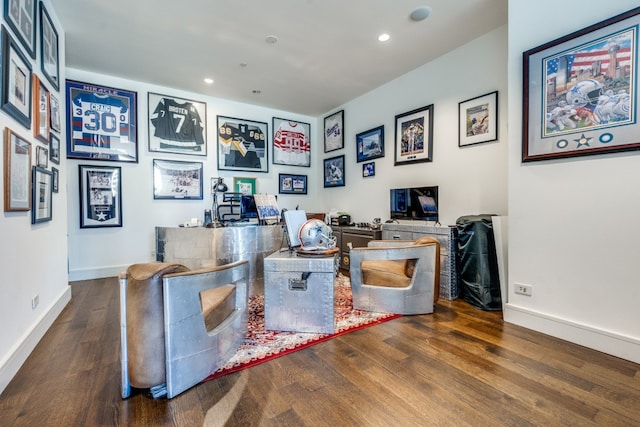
(218, 186)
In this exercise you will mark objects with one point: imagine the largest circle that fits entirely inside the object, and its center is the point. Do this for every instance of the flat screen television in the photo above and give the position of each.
(248, 207)
(416, 203)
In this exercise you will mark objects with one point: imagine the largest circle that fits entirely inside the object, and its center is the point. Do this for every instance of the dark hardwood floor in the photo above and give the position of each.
(459, 367)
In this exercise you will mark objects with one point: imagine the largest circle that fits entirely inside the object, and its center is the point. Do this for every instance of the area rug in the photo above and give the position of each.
(261, 345)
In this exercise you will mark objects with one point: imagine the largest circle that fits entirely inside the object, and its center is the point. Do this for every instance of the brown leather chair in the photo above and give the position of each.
(394, 276)
(178, 326)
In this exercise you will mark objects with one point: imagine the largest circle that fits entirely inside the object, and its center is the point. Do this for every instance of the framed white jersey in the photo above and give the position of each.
(291, 142)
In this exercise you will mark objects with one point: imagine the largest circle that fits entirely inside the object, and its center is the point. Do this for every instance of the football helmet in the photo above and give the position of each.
(315, 235)
(585, 92)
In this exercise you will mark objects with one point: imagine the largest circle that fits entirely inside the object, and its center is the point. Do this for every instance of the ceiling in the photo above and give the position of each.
(326, 54)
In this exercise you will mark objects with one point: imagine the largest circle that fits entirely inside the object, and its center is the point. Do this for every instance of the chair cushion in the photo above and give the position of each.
(217, 304)
(389, 273)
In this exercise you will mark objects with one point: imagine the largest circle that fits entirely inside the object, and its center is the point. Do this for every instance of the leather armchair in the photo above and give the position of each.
(178, 326)
(393, 276)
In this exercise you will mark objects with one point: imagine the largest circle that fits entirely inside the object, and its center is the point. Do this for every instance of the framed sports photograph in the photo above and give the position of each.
(41, 191)
(42, 157)
(54, 112)
(54, 149)
(100, 196)
(178, 180)
(101, 123)
(580, 92)
(370, 144)
(16, 81)
(49, 63)
(56, 179)
(334, 172)
(242, 145)
(17, 172)
(291, 142)
(368, 169)
(334, 131)
(292, 184)
(177, 125)
(478, 120)
(41, 109)
(414, 136)
(21, 18)
(244, 185)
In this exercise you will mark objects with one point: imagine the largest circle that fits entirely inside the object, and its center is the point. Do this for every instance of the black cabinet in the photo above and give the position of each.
(352, 237)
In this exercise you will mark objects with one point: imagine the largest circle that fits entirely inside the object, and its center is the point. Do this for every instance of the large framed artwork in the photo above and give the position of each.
(242, 145)
(292, 184)
(334, 172)
(41, 195)
(41, 111)
(49, 63)
(101, 123)
(414, 136)
(370, 144)
(16, 81)
(478, 120)
(174, 179)
(21, 17)
(291, 142)
(17, 172)
(100, 196)
(581, 93)
(177, 125)
(334, 131)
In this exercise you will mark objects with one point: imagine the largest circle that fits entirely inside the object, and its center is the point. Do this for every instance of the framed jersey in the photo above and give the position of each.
(101, 123)
(291, 142)
(242, 145)
(177, 125)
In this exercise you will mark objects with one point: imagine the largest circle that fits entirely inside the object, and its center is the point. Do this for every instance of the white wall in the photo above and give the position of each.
(573, 227)
(33, 258)
(105, 252)
(471, 180)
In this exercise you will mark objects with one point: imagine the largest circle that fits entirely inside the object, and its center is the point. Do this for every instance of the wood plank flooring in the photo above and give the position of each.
(458, 367)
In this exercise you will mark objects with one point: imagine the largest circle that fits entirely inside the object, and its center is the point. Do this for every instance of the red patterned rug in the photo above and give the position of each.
(261, 345)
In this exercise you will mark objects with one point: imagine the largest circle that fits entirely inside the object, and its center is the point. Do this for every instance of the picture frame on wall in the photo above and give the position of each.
(242, 145)
(20, 15)
(56, 179)
(16, 81)
(54, 149)
(49, 61)
(101, 123)
(54, 113)
(244, 185)
(291, 142)
(478, 120)
(177, 125)
(41, 191)
(292, 184)
(334, 131)
(580, 92)
(370, 144)
(334, 172)
(42, 157)
(100, 196)
(368, 169)
(17, 172)
(178, 180)
(41, 110)
(414, 136)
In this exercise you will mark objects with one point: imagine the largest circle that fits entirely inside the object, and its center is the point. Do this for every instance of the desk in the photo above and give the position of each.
(298, 292)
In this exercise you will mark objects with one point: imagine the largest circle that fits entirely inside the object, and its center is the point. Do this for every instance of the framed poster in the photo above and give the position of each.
(42, 157)
(49, 63)
(41, 109)
(54, 113)
(21, 18)
(54, 149)
(174, 179)
(291, 142)
(292, 184)
(580, 92)
(101, 123)
(478, 120)
(370, 144)
(100, 196)
(414, 136)
(17, 172)
(41, 191)
(177, 125)
(244, 185)
(242, 145)
(334, 131)
(16, 81)
(368, 169)
(334, 172)
(56, 179)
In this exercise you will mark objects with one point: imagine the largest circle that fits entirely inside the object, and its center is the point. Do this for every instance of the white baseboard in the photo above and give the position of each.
(24, 348)
(96, 273)
(612, 343)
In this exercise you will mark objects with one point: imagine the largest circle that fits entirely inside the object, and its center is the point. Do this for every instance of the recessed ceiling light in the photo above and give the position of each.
(208, 81)
(420, 13)
(384, 37)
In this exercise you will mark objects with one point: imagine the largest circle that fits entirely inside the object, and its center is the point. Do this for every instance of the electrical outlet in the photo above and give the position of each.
(524, 289)
(35, 301)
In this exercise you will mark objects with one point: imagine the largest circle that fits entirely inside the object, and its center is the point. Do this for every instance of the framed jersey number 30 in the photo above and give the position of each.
(102, 123)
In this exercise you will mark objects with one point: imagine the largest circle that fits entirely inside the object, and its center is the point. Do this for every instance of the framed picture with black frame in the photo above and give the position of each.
(16, 81)
(17, 172)
(41, 111)
(334, 172)
(54, 113)
(54, 149)
(368, 169)
(41, 190)
(414, 136)
(478, 120)
(49, 61)
(334, 131)
(242, 145)
(100, 196)
(177, 180)
(370, 144)
(291, 142)
(292, 184)
(21, 18)
(42, 157)
(56, 179)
